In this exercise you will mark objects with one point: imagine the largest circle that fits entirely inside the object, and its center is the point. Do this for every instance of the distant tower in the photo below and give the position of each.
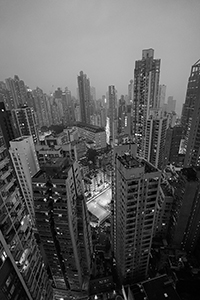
(63, 226)
(161, 95)
(171, 104)
(85, 97)
(146, 83)
(112, 112)
(25, 121)
(136, 195)
(24, 158)
(130, 92)
(18, 91)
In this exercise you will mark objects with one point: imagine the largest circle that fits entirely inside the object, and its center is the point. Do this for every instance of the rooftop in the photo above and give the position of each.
(21, 138)
(160, 288)
(89, 127)
(129, 161)
(54, 168)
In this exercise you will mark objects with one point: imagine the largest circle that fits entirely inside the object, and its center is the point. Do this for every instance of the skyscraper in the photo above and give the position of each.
(22, 271)
(112, 112)
(161, 95)
(130, 92)
(171, 104)
(190, 118)
(6, 123)
(85, 97)
(154, 140)
(192, 97)
(40, 107)
(136, 195)
(18, 91)
(25, 122)
(25, 162)
(146, 83)
(63, 226)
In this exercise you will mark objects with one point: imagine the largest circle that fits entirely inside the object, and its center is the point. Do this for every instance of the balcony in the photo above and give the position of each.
(5, 174)
(2, 149)
(9, 184)
(4, 162)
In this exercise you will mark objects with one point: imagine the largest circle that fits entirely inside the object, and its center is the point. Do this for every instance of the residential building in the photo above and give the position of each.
(130, 92)
(22, 271)
(40, 106)
(25, 122)
(154, 140)
(164, 209)
(85, 97)
(93, 133)
(112, 97)
(63, 226)
(184, 230)
(17, 90)
(135, 200)
(190, 118)
(190, 106)
(171, 104)
(25, 162)
(161, 95)
(7, 126)
(146, 84)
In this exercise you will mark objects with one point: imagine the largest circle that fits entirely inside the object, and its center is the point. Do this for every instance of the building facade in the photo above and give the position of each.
(25, 122)
(63, 226)
(84, 97)
(136, 195)
(25, 162)
(146, 83)
(22, 271)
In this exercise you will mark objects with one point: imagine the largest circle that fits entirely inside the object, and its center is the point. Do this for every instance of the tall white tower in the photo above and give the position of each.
(24, 158)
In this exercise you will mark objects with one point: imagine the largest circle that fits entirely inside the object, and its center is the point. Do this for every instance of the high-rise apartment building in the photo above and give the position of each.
(40, 107)
(136, 195)
(6, 123)
(112, 112)
(25, 162)
(85, 97)
(190, 118)
(172, 146)
(185, 217)
(18, 91)
(161, 95)
(5, 96)
(63, 226)
(22, 271)
(192, 97)
(146, 83)
(130, 92)
(171, 104)
(154, 140)
(68, 108)
(25, 122)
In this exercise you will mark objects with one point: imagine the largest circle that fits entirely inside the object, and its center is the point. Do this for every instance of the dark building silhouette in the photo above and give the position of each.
(7, 126)
(84, 97)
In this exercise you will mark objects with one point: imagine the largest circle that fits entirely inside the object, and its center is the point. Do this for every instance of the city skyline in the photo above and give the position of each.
(48, 45)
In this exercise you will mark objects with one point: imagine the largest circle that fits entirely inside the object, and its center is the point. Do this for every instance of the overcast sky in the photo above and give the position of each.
(48, 42)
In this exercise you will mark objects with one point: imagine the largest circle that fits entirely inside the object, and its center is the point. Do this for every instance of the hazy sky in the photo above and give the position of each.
(48, 42)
